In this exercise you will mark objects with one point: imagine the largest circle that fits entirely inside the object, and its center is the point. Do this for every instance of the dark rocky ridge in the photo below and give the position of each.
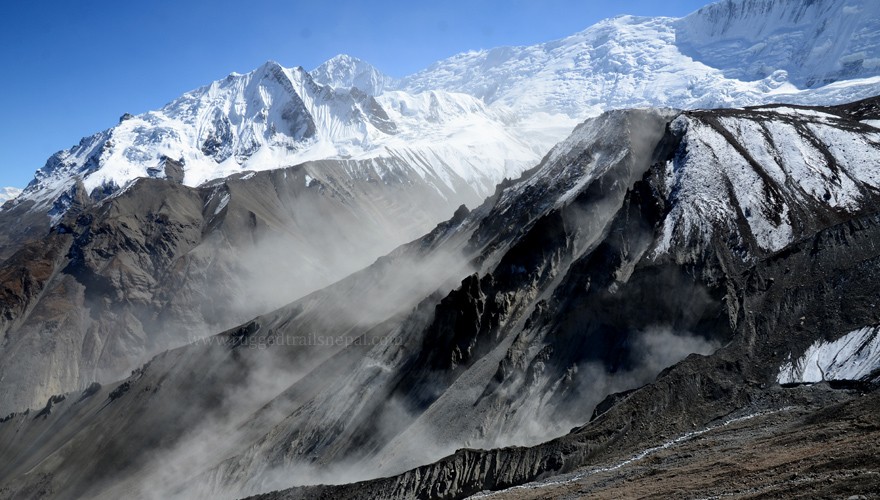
(817, 442)
(570, 272)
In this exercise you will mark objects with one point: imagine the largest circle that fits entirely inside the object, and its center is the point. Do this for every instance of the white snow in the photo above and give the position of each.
(703, 178)
(716, 177)
(224, 201)
(855, 356)
(345, 72)
(786, 110)
(806, 165)
(688, 63)
(481, 116)
(812, 42)
(873, 123)
(859, 152)
(8, 193)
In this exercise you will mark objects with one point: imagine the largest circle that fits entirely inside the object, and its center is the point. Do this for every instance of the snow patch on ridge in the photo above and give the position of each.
(855, 356)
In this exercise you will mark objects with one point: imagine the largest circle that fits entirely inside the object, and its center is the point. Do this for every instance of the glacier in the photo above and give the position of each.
(854, 356)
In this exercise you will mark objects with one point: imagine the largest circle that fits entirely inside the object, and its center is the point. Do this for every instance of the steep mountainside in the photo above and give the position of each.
(160, 264)
(588, 275)
(810, 300)
(455, 129)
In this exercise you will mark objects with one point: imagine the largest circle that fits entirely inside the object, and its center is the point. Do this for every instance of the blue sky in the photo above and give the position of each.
(71, 69)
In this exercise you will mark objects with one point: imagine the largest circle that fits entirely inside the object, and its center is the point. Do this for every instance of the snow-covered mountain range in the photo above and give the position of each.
(274, 117)
(483, 115)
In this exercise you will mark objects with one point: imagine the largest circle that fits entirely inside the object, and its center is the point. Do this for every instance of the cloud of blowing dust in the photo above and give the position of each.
(395, 417)
(261, 258)
(551, 408)
(225, 454)
(279, 267)
(540, 417)
(538, 421)
(282, 238)
(653, 350)
(174, 472)
(226, 286)
(659, 348)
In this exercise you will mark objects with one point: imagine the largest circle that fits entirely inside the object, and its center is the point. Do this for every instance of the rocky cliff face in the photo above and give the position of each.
(591, 274)
(161, 265)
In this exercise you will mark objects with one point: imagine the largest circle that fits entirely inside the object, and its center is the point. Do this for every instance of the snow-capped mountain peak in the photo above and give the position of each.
(274, 117)
(345, 71)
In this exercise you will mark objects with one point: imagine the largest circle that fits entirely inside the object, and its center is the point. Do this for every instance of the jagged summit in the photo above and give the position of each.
(274, 117)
